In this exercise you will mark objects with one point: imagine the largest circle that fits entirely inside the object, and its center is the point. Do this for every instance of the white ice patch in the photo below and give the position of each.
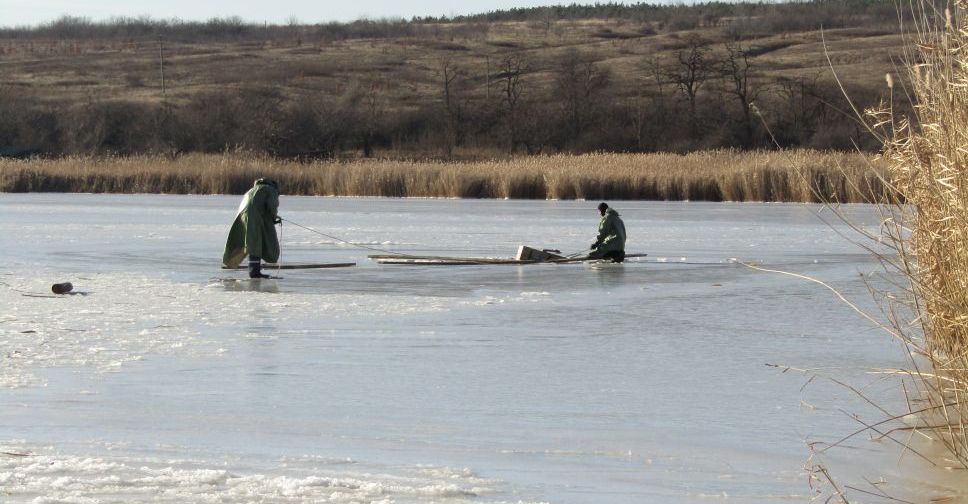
(109, 321)
(112, 320)
(44, 475)
(523, 297)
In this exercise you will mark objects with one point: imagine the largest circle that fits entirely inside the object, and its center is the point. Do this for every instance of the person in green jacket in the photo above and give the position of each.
(253, 232)
(610, 243)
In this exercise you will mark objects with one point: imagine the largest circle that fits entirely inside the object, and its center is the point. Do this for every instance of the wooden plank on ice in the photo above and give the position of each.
(470, 261)
(442, 260)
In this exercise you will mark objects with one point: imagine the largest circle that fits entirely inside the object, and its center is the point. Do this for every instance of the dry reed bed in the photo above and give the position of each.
(928, 164)
(723, 175)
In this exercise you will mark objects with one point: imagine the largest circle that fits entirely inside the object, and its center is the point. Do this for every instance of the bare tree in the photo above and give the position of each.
(512, 67)
(364, 108)
(689, 72)
(648, 108)
(452, 76)
(735, 68)
(259, 109)
(803, 105)
(638, 114)
(579, 82)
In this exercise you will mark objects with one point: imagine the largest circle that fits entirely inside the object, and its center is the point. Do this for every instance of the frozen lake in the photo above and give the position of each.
(645, 382)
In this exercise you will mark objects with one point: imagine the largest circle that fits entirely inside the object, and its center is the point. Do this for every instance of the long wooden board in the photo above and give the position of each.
(298, 266)
(470, 261)
(443, 260)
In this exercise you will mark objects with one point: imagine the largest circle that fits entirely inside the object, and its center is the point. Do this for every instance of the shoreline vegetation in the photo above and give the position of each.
(928, 166)
(719, 175)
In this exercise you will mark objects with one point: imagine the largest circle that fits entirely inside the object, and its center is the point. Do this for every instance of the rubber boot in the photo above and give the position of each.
(255, 268)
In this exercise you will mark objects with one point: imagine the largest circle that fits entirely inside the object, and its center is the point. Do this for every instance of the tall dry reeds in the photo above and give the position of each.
(927, 160)
(722, 175)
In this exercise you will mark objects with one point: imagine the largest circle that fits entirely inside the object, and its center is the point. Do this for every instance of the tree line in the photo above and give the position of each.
(699, 97)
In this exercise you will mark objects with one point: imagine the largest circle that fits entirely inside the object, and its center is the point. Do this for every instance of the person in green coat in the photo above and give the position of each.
(610, 243)
(253, 232)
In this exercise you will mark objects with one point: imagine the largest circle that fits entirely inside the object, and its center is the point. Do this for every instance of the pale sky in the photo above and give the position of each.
(32, 12)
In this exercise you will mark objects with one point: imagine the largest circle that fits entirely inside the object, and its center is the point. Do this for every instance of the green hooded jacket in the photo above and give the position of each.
(611, 232)
(254, 232)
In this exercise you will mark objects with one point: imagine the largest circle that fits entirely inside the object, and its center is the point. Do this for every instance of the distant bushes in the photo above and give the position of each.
(743, 17)
(577, 113)
(235, 29)
(794, 176)
(256, 118)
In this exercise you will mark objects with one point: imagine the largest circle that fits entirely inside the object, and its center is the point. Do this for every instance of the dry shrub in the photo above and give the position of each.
(724, 175)
(928, 164)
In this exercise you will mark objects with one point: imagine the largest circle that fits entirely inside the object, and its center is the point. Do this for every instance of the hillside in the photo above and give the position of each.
(523, 81)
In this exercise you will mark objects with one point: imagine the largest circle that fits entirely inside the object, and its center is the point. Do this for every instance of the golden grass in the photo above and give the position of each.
(928, 164)
(723, 175)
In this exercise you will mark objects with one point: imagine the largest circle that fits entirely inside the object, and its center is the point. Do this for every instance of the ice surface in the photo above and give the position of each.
(50, 476)
(167, 379)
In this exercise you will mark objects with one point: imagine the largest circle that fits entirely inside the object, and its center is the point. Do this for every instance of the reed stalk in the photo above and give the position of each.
(721, 175)
(927, 161)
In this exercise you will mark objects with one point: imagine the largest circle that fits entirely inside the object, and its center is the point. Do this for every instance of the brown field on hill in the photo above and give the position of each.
(677, 79)
(407, 67)
(727, 175)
